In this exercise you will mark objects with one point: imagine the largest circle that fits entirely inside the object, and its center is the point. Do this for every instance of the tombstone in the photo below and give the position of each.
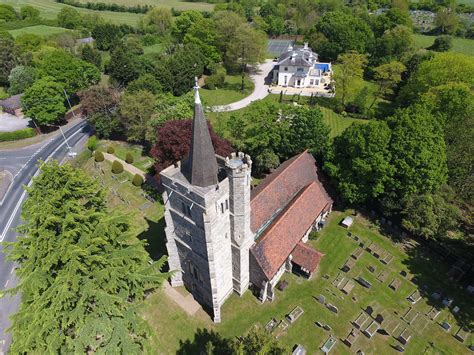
(383, 220)
(371, 268)
(356, 238)
(319, 324)
(403, 273)
(379, 318)
(456, 309)
(321, 299)
(332, 308)
(399, 348)
(327, 327)
(369, 310)
(446, 326)
(436, 296)
(364, 282)
(447, 302)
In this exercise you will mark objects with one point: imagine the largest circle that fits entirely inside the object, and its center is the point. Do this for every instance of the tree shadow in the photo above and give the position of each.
(199, 344)
(155, 238)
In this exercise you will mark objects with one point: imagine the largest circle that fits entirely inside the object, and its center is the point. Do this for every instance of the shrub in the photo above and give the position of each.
(117, 167)
(216, 80)
(442, 43)
(92, 143)
(98, 156)
(129, 158)
(137, 180)
(17, 135)
(110, 150)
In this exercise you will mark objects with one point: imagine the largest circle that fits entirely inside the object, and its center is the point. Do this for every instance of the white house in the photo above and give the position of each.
(300, 68)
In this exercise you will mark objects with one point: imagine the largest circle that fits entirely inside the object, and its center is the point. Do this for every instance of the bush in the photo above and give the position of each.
(110, 150)
(216, 80)
(92, 143)
(17, 135)
(98, 156)
(129, 158)
(137, 180)
(442, 43)
(117, 167)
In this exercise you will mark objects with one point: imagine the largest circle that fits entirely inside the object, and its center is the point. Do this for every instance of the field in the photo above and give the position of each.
(153, 49)
(40, 30)
(185, 334)
(460, 45)
(229, 93)
(176, 4)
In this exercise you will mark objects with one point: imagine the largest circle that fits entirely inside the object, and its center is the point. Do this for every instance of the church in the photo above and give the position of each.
(222, 236)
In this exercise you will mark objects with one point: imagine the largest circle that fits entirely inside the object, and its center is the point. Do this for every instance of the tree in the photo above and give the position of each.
(74, 74)
(183, 23)
(91, 55)
(107, 36)
(453, 104)
(173, 140)
(29, 12)
(441, 69)
(28, 42)
(158, 20)
(106, 125)
(203, 35)
(391, 19)
(446, 20)
(99, 99)
(351, 70)
(430, 215)
(361, 162)
(418, 152)
(117, 167)
(258, 341)
(69, 17)
(20, 79)
(82, 271)
(136, 109)
(227, 24)
(146, 82)
(248, 48)
(344, 33)
(7, 57)
(123, 67)
(7, 13)
(44, 101)
(442, 43)
(266, 161)
(387, 76)
(394, 44)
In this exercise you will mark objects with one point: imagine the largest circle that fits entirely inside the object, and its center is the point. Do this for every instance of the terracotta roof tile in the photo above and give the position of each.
(306, 257)
(281, 237)
(278, 188)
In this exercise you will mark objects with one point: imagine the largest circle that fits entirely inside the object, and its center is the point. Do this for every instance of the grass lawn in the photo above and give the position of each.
(338, 123)
(239, 314)
(229, 93)
(460, 45)
(140, 160)
(176, 4)
(153, 49)
(50, 8)
(40, 30)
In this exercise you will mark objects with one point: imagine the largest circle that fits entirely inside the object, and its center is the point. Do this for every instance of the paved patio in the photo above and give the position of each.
(10, 123)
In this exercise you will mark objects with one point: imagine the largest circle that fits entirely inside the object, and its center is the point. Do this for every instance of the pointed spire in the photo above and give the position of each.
(201, 166)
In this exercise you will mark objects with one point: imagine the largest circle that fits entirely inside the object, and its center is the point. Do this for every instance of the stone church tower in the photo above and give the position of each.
(207, 214)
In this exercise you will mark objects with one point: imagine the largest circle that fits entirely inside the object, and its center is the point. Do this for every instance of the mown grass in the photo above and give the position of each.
(239, 314)
(153, 49)
(140, 160)
(460, 45)
(229, 93)
(40, 30)
(176, 4)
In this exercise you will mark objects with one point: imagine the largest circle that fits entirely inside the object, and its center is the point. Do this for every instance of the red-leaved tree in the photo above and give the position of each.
(174, 139)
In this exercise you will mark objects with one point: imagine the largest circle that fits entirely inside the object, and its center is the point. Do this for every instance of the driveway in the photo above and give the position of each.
(10, 123)
(261, 79)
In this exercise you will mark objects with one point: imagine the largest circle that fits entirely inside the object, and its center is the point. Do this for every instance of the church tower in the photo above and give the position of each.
(198, 223)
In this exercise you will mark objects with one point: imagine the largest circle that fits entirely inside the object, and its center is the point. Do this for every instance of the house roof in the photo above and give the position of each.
(281, 237)
(279, 188)
(306, 257)
(13, 102)
(200, 168)
(301, 57)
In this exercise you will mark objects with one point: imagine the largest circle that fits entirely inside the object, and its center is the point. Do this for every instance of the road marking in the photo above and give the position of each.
(6, 283)
(5, 230)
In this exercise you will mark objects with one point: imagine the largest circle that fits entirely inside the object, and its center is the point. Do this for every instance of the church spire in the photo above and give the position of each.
(201, 167)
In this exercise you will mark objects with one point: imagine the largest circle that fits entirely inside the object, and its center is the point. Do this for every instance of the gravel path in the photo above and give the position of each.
(259, 77)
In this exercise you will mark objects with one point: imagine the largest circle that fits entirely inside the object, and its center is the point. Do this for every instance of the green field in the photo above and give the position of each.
(186, 334)
(153, 49)
(338, 123)
(40, 30)
(176, 4)
(229, 93)
(460, 45)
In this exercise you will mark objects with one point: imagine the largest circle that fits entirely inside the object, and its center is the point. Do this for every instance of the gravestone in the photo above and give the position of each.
(436, 296)
(321, 299)
(327, 327)
(379, 318)
(446, 326)
(332, 308)
(399, 348)
(403, 273)
(371, 268)
(318, 324)
(369, 310)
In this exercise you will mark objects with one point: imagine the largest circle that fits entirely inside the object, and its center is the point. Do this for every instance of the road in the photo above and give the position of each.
(23, 165)
(261, 78)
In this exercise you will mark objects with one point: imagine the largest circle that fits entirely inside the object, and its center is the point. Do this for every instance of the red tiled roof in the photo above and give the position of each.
(281, 237)
(306, 257)
(277, 190)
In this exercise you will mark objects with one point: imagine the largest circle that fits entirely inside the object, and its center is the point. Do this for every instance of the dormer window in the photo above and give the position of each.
(300, 70)
(285, 68)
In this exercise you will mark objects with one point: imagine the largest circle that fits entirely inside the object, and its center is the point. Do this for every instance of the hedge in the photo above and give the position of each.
(110, 150)
(17, 135)
(137, 180)
(98, 156)
(117, 167)
(129, 158)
